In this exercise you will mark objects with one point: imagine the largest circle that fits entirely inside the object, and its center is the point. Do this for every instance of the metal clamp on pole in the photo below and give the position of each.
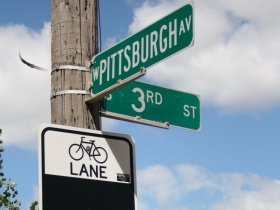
(82, 92)
(81, 68)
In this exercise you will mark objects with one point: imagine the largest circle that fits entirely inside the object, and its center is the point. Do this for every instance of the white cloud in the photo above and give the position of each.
(142, 206)
(108, 124)
(24, 91)
(247, 192)
(255, 11)
(191, 187)
(110, 42)
(234, 63)
(158, 182)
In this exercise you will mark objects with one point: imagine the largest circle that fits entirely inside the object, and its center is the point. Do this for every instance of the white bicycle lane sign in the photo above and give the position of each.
(85, 155)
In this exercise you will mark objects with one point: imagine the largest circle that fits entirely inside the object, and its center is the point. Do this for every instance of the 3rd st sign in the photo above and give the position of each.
(127, 60)
(144, 103)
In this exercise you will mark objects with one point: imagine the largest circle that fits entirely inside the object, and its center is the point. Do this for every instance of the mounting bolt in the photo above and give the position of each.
(137, 118)
(166, 124)
(143, 70)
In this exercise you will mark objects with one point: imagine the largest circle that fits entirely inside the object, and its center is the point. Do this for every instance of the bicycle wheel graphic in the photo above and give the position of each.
(76, 152)
(100, 155)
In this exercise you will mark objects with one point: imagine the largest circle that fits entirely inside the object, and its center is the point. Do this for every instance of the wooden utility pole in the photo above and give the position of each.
(74, 43)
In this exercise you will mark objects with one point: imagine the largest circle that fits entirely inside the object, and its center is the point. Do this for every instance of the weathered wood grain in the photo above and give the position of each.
(74, 42)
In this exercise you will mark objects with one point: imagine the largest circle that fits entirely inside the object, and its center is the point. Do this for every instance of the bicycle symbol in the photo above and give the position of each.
(76, 151)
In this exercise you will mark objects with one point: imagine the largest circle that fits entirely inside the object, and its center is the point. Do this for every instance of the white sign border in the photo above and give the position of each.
(44, 127)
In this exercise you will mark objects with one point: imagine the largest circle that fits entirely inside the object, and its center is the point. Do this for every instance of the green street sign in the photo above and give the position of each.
(127, 60)
(153, 105)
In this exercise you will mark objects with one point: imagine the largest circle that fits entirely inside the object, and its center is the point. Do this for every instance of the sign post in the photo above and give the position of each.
(153, 105)
(86, 169)
(127, 60)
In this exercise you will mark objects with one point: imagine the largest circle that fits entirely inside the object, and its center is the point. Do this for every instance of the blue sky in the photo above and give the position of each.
(233, 163)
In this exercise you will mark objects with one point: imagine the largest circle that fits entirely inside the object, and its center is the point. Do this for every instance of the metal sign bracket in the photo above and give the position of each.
(119, 84)
(136, 119)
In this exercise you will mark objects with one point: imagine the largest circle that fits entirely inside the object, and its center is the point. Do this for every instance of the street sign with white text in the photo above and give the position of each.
(153, 105)
(86, 169)
(123, 62)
